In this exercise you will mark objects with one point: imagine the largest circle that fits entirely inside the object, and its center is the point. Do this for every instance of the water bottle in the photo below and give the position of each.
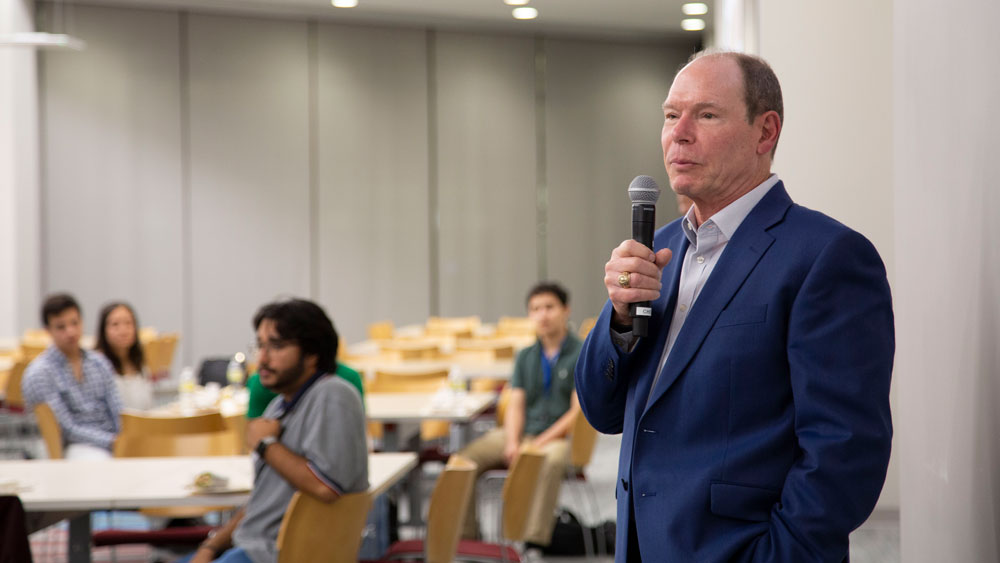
(456, 383)
(235, 374)
(185, 388)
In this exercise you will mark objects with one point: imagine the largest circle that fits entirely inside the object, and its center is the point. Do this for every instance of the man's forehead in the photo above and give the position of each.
(267, 329)
(707, 80)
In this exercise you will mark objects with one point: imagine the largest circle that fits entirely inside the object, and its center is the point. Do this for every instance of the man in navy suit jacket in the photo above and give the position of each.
(755, 414)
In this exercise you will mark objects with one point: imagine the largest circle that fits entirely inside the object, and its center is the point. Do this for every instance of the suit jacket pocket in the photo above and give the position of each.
(742, 315)
(743, 502)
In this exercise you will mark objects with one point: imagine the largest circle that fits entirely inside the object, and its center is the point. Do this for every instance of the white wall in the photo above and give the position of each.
(835, 150)
(947, 231)
(19, 182)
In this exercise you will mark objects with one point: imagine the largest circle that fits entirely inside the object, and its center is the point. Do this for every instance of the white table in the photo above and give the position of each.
(401, 408)
(131, 483)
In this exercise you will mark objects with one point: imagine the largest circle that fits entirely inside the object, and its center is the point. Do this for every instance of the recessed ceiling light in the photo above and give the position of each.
(693, 24)
(344, 3)
(516, 2)
(525, 13)
(694, 9)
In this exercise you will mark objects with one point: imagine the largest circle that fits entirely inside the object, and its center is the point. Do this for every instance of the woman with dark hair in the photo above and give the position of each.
(118, 340)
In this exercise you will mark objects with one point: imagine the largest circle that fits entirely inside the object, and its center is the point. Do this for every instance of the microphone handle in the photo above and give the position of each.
(643, 225)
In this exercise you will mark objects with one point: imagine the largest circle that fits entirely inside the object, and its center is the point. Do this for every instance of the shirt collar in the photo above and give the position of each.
(287, 406)
(729, 218)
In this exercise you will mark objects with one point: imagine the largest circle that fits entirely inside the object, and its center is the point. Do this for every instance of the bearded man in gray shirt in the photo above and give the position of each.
(311, 437)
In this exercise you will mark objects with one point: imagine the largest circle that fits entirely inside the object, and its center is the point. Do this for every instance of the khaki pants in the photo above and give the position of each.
(487, 452)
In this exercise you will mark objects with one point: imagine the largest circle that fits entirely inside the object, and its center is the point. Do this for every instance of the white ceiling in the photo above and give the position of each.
(638, 19)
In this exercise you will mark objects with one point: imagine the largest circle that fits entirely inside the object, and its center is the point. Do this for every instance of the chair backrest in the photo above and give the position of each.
(142, 425)
(586, 326)
(582, 439)
(199, 435)
(519, 491)
(408, 380)
(515, 326)
(159, 353)
(484, 350)
(48, 425)
(312, 530)
(31, 349)
(459, 327)
(502, 401)
(382, 330)
(446, 513)
(14, 396)
(213, 369)
(409, 350)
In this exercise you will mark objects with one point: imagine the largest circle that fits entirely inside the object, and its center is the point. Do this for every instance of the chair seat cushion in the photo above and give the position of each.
(166, 536)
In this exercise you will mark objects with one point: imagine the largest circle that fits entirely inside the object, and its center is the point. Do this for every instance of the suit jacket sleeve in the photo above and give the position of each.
(601, 391)
(840, 353)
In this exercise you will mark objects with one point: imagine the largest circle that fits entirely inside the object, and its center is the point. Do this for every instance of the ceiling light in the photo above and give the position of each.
(516, 2)
(693, 24)
(694, 9)
(42, 40)
(525, 13)
(344, 3)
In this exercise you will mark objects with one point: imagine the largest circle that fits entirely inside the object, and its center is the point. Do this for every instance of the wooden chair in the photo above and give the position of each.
(31, 349)
(515, 326)
(18, 427)
(150, 436)
(159, 353)
(582, 441)
(445, 516)
(142, 425)
(48, 425)
(382, 330)
(485, 351)
(586, 326)
(312, 530)
(407, 380)
(13, 400)
(409, 350)
(200, 435)
(520, 487)
(456, 327)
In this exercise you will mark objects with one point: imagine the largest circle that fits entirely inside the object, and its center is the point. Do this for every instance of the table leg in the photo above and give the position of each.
(79, 538)
(458, 436)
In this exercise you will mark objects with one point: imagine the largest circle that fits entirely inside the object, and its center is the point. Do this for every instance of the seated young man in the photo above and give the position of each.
(311, 437)
(77, 384)
(542, 405)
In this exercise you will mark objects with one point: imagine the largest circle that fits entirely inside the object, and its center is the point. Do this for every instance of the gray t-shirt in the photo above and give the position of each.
(327, 427)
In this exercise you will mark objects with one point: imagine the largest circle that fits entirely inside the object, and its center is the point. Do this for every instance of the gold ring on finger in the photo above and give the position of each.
(625, 280)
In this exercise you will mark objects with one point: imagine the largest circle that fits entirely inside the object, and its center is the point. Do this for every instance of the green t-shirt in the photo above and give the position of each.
(542, 408)
(261, 396)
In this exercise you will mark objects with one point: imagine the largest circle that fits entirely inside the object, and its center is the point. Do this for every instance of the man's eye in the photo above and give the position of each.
(708, 115)
(670, 116)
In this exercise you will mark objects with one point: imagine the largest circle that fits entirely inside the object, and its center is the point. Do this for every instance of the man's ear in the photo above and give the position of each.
(769, 132)
(311, 361)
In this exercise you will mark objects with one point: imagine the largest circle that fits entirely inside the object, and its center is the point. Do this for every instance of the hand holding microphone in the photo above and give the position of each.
(632, 275)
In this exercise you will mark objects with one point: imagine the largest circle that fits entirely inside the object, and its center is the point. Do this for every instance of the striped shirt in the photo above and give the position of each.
(88, 411)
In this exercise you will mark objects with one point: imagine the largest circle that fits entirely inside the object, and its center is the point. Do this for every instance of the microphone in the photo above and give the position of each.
(643, 192)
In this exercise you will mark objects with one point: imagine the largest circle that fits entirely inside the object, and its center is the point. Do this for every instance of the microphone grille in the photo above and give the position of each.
(643, 189)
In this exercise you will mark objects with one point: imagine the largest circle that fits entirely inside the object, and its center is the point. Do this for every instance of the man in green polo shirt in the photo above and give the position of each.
(542, 405)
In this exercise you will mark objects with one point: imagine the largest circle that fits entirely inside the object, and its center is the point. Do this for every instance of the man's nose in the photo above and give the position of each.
(683, 130)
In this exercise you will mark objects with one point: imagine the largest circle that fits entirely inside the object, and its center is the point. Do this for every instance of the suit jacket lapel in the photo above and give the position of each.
(662, 309)
(741, 255)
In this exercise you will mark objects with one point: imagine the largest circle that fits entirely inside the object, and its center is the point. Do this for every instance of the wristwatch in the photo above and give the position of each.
(264, 443)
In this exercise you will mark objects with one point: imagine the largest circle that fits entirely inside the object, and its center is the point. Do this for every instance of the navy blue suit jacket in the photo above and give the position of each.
(768, 434)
